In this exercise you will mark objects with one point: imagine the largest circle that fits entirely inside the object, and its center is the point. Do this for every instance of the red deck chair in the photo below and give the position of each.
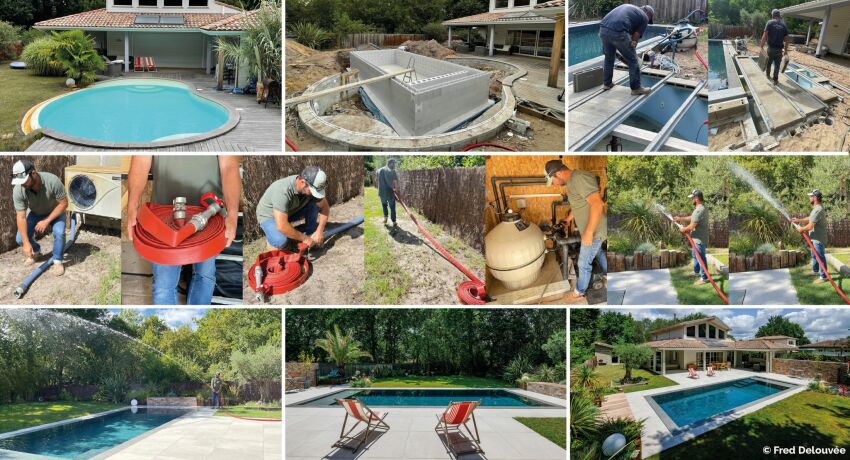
(358, 411)
(843, 391)
(455, 416)
(137, 64)
(149, 64)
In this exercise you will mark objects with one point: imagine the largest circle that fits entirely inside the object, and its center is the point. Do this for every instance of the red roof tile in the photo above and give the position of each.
(233, 22)
(102, 19)
(757, 344)
(496, 18)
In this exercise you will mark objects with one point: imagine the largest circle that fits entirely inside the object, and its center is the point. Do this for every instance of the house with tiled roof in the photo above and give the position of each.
(178, 34)
(707, 342)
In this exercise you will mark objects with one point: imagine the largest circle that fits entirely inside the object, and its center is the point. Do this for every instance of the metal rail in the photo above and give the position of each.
(336, 89)
(667, 130)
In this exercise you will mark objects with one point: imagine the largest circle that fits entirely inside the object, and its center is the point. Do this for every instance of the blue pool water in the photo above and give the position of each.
(140, 110)
(655, 112)
(584, 40)
(717, 78)
(88, 438)
(429, 398)
(687, 407)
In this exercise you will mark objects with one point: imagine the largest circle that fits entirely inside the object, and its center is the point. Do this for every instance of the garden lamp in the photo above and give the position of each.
(613, 444)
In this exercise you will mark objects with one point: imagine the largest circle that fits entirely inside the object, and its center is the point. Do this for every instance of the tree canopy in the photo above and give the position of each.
(778, 325)
(28, 12)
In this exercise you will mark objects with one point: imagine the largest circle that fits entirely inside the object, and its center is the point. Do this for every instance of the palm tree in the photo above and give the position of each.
(75, 52)
(341, 348)
(261, 46)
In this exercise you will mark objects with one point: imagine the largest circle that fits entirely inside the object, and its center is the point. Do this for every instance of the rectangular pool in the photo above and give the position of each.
(89, 438)
(430, 398)
(584, 40)
(696, 406)
(717, 77)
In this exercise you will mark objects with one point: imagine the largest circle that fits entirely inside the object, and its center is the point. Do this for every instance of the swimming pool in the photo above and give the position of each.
(584, 40)
(692, 407)
(88, 438)
(660, 107)
(717, 77)
(133, 113)
(429, 398)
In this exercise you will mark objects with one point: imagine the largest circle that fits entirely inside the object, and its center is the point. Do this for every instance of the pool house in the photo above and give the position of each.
(706, 342)
(174, 34)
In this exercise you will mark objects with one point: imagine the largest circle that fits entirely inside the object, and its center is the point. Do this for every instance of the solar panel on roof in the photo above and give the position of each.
(147, 19)
(172, 20)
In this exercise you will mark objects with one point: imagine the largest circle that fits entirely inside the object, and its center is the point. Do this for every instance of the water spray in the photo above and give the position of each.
(663, 211)
(759, 188)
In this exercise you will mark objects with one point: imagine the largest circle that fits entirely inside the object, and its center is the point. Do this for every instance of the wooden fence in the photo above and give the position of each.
(782, 259)
(450, 197)
(645, 261)
(720, 31)
(345, 180)
(670, 11)
(381, 40)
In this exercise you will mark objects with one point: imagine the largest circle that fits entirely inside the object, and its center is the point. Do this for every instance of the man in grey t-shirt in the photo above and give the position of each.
(43, 194)
(291, 199)
(697, 227)
(815, 225)
(387, 186)
(775, 35)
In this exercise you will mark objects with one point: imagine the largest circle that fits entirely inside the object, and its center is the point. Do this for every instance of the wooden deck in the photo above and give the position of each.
(260, 129)
(616, 406)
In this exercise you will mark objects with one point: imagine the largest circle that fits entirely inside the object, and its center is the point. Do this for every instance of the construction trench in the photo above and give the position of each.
(411, 102)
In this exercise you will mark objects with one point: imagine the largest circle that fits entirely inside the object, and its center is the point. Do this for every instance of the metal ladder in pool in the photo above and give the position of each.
(408, 77)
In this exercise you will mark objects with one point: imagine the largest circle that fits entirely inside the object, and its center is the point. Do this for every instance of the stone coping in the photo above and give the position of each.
(30, 120)
(164, 426)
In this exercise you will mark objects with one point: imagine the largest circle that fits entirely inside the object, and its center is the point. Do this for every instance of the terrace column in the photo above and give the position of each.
(663, 362)
(823, 28)
(704, 360)
(491, 35)
(220, 69)
(209, 56)
(126, 52)
(450, 36)
(557, 46)
(809, 33)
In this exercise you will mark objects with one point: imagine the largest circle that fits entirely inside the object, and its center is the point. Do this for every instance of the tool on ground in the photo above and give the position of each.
(823, 266)
(27, 282)
(280, 271)
(700, 261)
(159, 238)
(471, 292)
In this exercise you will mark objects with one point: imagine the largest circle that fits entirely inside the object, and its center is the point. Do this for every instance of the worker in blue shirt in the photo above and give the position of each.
(620, 31)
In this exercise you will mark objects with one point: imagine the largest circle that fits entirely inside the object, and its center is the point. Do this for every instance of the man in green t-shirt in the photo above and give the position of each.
(697, 227)
(387, 186)
(815, 225)
(43, 194)
(291, 199)
(588, 211)
(215, 385)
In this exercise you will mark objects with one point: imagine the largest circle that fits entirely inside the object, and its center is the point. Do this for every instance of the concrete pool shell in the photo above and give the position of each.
(362, 133)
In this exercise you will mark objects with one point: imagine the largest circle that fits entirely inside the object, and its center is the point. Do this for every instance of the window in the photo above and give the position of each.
(691, 331)
(712, 332)
(501, 3)
(122, 2)
(544, 44)
(147, 3)
(522, 2)
(702, 331)
(721, 334)
(791, 343)
(198, 2)
(177, 3)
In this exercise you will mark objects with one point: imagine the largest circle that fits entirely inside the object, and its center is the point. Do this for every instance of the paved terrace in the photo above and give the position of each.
(260, 129)
(656, 437)
(310, 432)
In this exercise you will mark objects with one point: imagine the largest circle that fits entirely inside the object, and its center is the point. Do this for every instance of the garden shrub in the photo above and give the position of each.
(30, 35)
(65, 395)
(546, 373)
(647, 248)
(766, 248)
(76, 53)
(435, 31)
(618, 243)
(360, 381)
(40, 56)
(309, 34)
(113, 388)
(516, 367)
(139, 395)
(9, 34)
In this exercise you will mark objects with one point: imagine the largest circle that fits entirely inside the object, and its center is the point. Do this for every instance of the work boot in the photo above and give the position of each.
(395, 224)
(640, 91)
(693, 275)
(700, 282)
(607, 87)
(385, 221)
(775, 82)
(820, 281)
(58, 269)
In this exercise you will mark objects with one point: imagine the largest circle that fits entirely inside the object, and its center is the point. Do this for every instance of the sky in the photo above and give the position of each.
(173, 317)
(819, 323)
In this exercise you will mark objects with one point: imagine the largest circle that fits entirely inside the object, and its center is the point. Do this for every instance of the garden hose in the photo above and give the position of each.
(823, 267)
(159, 239)
(471, 292)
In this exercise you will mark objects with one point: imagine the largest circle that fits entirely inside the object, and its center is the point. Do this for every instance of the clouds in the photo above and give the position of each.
(174, 317)
(819, 323)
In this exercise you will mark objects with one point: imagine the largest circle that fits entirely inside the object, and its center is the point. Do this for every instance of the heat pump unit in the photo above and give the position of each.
(94, 190)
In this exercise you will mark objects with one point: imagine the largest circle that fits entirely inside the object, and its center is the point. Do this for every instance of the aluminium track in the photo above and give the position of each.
(667, 130)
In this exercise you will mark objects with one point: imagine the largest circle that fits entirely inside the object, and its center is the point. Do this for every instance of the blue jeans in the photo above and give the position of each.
(390, 202)
(309, 213)
(58, 228)
(697, 267)
(774, 56)
(201, 287)
(815, 265)
(216, 398)
(618, 41)
(585, 264)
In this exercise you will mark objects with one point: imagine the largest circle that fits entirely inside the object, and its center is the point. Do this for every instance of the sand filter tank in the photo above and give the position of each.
(515, 251)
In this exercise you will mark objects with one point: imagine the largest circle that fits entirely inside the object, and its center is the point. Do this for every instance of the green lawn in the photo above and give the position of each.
(445, 381)
(23, 415)
(553, 429)
(844, 258)
(385, 281)
(19, 92)
(251, 411)
(807, 418)
(615, 372)
(689, 294)
(723, 258)
(816, 294)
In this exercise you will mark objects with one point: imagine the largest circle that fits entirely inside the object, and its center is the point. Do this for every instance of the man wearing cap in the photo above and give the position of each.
(776, 37)
(697, 227)
(291, 199)
(588, 211)
(815, 225)
(620, 30)
(189, 176)
(387, 186)
(43, 194)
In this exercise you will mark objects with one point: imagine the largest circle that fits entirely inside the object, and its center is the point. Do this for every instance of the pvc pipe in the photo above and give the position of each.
(27, 282)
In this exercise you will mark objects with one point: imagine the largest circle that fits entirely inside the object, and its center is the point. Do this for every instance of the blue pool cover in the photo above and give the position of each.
(88, 438)
(429, 398)
(687, 407)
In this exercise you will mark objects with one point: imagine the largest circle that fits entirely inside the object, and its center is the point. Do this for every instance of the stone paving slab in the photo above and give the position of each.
(644, 287)
(765, 287)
